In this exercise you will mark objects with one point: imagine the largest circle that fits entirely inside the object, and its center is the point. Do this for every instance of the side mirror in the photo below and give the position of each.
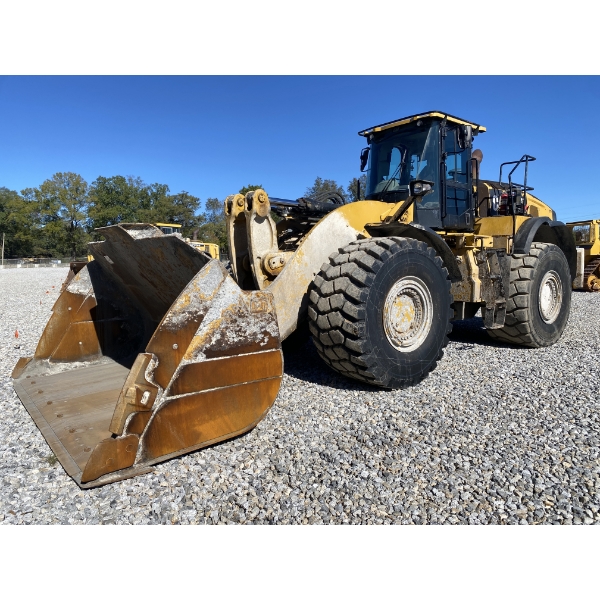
(465, 136)
(420, 187)
(364, 158)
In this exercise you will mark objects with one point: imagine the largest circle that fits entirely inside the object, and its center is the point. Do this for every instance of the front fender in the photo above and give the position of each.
(422, 234)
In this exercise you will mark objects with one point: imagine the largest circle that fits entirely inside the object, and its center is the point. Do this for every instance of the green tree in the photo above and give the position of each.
(324, 186)
(114, 200)
(352, 189)
(214, 227)
(54, 219)
(63, 202)
(20, 224)
(250, 188)
(153, 206)
(181, 209)
(158, 206)
(129, 200)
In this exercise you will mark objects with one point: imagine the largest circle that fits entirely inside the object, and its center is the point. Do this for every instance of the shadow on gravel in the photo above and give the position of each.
(471, 331)
(304, 363)
(301, 360)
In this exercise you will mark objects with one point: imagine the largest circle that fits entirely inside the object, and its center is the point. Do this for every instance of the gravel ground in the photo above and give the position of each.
(494, 435)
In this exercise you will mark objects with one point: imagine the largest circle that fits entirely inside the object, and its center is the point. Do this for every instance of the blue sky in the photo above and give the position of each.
(212, 135)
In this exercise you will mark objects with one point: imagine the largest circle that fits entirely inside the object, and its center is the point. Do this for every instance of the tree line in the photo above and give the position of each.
(58, 218)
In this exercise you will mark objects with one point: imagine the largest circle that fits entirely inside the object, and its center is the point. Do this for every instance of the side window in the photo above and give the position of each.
(394, 162)
(456, 159)
(419, 168)
(582, 234)
(414, 166)
(453, 166)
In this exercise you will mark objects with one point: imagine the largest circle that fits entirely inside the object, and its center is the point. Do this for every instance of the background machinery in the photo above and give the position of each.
(172, 228)
(209, 248)
(154, 349)
(587, 239)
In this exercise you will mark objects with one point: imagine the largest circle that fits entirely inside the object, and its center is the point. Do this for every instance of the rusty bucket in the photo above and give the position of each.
(152, 351)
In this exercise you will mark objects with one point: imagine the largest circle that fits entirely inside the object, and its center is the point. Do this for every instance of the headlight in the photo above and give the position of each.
(420, 188)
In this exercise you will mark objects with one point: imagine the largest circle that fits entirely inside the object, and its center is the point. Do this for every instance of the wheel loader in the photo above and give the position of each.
(587, 240)
(209, 248)
(154, 349)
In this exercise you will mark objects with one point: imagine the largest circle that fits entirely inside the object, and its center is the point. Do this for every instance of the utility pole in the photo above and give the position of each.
(3, 251)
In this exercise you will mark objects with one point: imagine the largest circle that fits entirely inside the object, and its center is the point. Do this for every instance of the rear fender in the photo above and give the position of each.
(543, 229)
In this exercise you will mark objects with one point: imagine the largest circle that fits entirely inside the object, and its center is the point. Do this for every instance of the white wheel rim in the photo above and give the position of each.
(407, 314)
(550, 297)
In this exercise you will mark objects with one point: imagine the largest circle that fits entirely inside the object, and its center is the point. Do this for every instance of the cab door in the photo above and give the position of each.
(457, 213)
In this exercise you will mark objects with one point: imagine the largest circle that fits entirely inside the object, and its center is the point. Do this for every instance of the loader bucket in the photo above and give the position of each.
(74, 267)
(152, 351)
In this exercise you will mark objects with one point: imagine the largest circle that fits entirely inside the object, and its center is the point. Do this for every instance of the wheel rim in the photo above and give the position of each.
(407, 314)
(550, 297)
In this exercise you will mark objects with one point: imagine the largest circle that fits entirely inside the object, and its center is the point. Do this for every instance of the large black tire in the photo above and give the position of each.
(533, 319)
(354, 292)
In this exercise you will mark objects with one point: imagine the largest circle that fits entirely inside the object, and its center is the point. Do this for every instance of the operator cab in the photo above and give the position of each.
(169, 228)
(432, 147)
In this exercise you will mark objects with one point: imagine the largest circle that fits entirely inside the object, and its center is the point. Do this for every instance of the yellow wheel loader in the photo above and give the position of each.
(209, 248)
(154, 349)
(587, 239)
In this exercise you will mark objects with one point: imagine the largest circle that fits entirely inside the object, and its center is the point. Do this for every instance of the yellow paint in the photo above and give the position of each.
(212, 249)
(591, 248)
(407, 120)
(493, 226)
(359, 214)
(594, 243)
(468, 289)
(403, 313)
(409, 215)
(537, 208)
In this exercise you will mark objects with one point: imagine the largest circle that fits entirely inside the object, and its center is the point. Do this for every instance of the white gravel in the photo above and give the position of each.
(494, 435)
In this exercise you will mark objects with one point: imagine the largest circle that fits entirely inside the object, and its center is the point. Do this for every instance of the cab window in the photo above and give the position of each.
(582, 233)
(456, 159)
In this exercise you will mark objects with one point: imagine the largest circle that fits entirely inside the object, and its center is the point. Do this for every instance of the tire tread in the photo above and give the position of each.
(517, 329)
(337, 327)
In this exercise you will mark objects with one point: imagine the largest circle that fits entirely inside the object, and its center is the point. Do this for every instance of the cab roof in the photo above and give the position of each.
(435, 114)
(168, 225)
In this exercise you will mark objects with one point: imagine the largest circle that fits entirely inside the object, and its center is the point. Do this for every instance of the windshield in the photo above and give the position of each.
(419, 147)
